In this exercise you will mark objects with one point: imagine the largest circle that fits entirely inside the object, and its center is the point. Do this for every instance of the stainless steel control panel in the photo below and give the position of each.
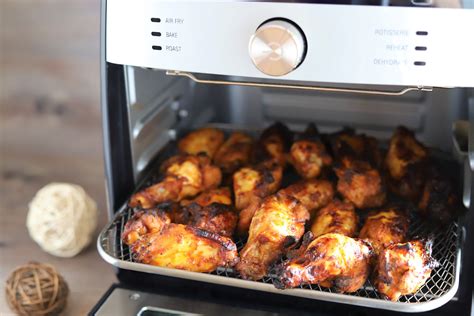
(295, 41)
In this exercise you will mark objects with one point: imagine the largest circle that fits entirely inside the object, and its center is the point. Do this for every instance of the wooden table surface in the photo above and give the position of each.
(50, 130)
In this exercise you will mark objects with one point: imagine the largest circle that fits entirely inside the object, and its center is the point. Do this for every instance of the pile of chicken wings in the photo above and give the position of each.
(305, 232)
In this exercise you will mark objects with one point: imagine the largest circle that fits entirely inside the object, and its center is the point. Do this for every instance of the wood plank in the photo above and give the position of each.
(50, 130)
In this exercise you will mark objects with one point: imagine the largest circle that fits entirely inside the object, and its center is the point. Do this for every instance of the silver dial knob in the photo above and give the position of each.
(277, 47)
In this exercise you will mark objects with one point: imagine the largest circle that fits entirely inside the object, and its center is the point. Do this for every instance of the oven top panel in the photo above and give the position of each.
(356, 44)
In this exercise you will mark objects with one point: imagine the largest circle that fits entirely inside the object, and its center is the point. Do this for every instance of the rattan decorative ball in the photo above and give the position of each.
(62, 219)
(36, 289)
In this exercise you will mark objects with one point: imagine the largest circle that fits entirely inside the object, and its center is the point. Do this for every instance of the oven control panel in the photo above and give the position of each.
(277, 47)
(309, 42)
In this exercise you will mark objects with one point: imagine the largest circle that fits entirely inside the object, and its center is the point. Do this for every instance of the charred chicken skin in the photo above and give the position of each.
(308, 155)
(201, 141)
(360, 183)
(277, 226)
(185, 247)
(211, 211)
(313, 193)
(384, 228)
(337, 217)
(403, 268)
(404, 151)
(184, 176)
(439, 201)
(234, 153)
(273, 144)
(347, 144)
(331, 260)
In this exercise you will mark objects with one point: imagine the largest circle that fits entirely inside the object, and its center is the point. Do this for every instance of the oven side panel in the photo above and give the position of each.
(117, 154)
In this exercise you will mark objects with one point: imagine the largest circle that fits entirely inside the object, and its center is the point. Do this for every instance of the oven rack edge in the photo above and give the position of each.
(103, 242)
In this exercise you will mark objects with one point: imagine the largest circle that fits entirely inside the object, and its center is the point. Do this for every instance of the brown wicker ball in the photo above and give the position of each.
(36, 289)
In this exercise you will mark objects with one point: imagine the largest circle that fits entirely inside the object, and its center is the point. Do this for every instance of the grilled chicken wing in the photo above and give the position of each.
(184, 176)
(234, 153)
(404, 151)
(251, 185)
(347, 144)
(384, 228)
(278, 225)
(331, 260)
(308, 155)
(257, 182)
(201, 141)
(185, 247)
(360, 183)
(273, 144)
(403, 268)
(337, 217)
(145, 222)
(439, 201)
(211, 211)
(313, 193)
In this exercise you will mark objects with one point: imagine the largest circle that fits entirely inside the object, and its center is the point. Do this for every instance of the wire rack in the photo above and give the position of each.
(441, 282)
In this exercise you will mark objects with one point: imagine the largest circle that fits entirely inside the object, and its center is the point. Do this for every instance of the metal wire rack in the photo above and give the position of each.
(442, 282)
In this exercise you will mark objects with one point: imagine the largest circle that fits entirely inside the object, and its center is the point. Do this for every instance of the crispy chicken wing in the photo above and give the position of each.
(234, 153)
(203, 140)
(331, 260)
(404, 151)
(185, 247)
(144, 222)
(337, 217)
(273, 144)
(348, 144)
(278, 225)
(411, 185)
(257, 182)
(184, 176)
(384, 228)
(439, 201)
(360, 183)
(403, 268)
(312, 193)
(251, 185)
(308, 155)
(211, 211)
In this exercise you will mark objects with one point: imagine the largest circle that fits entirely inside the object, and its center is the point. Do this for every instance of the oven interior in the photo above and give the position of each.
(153, 109)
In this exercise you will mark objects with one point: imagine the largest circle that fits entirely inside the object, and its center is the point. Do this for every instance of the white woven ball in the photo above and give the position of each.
(62, 219)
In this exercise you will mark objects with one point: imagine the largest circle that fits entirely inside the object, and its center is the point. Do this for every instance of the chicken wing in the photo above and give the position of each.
(403, 268)
(404, 151)
(337, 217)
(277, 226)
(439, 201)
(255, 183)
(211, 211)
(384, 228)
(347, 144)
(234, 153)
(187, 248)
(273, 144)
(331, 260)
(184, 176)
(360, 183)
(201, 141)
(144, 222)
(308, 155)
(313, 193)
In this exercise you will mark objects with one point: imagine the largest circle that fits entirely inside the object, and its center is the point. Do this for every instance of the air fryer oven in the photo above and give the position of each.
(171, 66)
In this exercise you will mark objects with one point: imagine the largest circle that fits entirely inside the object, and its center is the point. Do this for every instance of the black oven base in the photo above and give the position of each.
(196, 292)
